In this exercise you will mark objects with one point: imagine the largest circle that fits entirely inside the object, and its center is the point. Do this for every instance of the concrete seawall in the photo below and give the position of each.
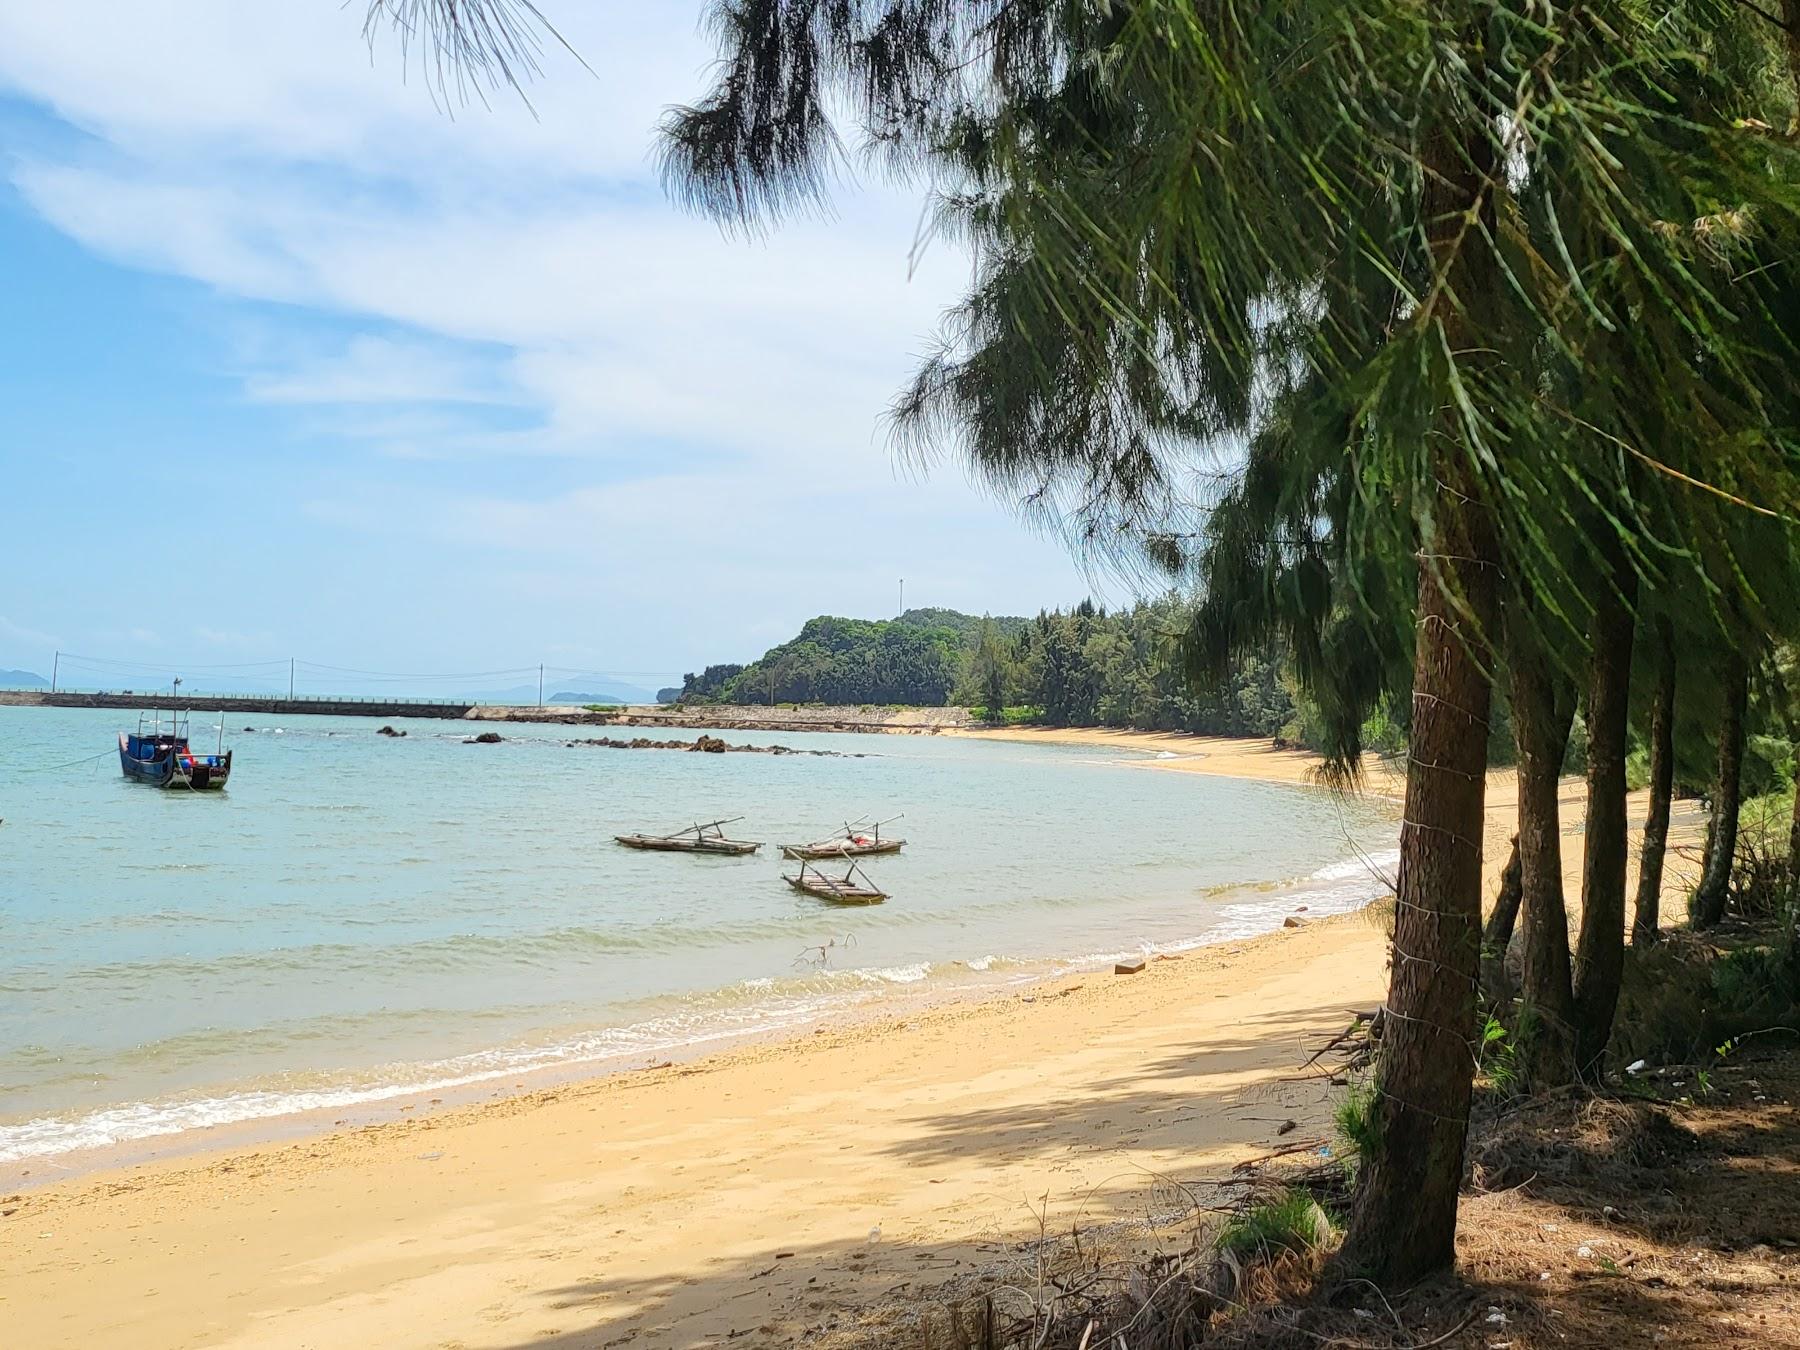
(706, 717)
(239, 703)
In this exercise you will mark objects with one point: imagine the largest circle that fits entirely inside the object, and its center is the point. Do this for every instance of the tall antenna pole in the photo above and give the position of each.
(903, 595)
(290, 679)
(55, 663)
(540, 684)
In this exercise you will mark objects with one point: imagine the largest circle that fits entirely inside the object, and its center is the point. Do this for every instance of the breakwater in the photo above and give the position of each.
(316, 705)
(699, 717)
(743, 717)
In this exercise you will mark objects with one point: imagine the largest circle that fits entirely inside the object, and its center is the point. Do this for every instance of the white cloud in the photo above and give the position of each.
(27, 637)
(523, 289)
(619, 321)
(375, 370)
(186, 80)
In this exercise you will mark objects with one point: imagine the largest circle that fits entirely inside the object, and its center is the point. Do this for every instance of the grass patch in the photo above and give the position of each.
(1290, 1222)
(1358, 1125)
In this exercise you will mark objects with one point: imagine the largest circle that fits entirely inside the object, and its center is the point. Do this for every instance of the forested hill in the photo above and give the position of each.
(915, 659)
(1080, 667)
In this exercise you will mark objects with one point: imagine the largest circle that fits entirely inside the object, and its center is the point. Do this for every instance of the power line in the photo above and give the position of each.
(151, 665)
(116, 668)
(421, 674)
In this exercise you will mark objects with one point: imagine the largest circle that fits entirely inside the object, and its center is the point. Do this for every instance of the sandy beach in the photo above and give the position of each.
(748, 1197)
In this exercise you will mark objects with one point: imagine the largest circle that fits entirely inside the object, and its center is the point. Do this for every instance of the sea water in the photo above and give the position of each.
(357, 917)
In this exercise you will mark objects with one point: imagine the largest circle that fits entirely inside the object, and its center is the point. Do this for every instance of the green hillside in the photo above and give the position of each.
(916, 659)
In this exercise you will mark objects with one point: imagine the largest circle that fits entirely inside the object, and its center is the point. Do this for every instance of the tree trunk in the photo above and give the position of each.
(1543, 709)
(1647, 916)
(1709, 900)
(1600, 950)
(1404, 1222)
(1790, 15)
(1793, 864)
(1497, 936)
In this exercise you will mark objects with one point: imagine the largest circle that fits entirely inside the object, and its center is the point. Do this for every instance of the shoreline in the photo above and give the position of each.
(75, 1141)
(744, 1193)
(804, 1145)
(879, 993)
(1256, 758)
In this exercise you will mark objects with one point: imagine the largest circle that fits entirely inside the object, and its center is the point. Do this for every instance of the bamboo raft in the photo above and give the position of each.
(858, 839)
(697, 838)
(844, 890)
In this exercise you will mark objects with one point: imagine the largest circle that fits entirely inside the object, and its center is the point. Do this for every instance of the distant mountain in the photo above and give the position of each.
(22, 679)
(527, 694)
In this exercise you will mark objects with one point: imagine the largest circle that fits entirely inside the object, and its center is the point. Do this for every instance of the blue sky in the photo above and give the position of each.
(297, 364)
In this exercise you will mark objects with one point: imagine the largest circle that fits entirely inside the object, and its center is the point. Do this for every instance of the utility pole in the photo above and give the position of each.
(290, 679)
(540, 684)
(55, 662)
(903, 595)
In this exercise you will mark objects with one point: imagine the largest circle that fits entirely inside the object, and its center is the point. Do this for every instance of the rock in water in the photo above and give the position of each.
(486, 738)
(706, 744)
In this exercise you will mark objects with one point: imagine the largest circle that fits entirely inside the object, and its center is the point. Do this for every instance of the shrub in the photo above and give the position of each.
(1753, 983)
(1500, 1054)
(1683, 996)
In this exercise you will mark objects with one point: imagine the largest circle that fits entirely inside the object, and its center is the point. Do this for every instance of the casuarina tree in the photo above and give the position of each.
(1376, 225)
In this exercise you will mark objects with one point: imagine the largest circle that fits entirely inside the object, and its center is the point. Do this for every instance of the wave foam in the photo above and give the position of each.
(749, 1007)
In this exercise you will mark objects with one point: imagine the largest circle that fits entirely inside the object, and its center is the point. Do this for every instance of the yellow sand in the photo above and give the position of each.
(673, 1207)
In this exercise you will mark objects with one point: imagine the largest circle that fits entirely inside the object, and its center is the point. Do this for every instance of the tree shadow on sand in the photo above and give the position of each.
(1087, 1153)
(1226, 1089)
(1633, 1224)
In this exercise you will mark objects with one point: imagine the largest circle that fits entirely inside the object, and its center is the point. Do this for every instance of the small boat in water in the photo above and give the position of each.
(161, 755)
(858, 839)
(844, 890)
(707, 838)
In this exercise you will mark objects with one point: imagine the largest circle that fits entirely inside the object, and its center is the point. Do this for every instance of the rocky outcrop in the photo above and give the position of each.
(728, 717)
(707, 745)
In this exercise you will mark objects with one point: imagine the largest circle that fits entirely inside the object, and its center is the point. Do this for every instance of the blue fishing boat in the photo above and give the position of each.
(162, 757)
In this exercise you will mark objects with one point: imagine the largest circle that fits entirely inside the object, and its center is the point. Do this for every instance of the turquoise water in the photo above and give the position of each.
(357, 916)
